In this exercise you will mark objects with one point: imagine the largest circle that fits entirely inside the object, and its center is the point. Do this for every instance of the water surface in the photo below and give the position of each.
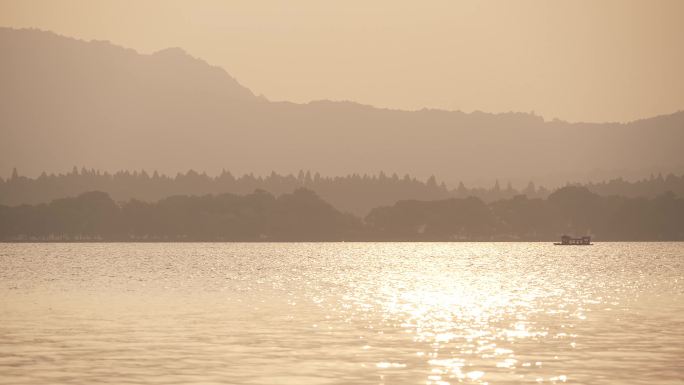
(342, 313)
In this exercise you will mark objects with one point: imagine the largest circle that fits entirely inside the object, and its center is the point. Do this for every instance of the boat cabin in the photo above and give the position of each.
(568, 240)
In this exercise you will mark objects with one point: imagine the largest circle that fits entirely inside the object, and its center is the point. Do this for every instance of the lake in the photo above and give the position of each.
(341, 313)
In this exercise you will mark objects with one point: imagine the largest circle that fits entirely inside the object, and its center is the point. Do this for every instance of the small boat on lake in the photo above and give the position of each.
(567, 240)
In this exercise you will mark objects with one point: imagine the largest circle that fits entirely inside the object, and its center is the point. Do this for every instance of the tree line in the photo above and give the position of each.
(303, 216)
(354, 193)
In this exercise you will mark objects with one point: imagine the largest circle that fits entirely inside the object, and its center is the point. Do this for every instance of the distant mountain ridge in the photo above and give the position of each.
(65, 101)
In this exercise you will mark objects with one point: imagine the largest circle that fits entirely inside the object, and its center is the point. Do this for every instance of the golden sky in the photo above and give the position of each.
(608, 60)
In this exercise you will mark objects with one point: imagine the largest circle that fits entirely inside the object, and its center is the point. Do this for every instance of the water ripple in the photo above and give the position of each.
(367, 313)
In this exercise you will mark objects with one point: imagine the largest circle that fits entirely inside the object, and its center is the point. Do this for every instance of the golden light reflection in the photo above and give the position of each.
(472, 328)
(432, 314)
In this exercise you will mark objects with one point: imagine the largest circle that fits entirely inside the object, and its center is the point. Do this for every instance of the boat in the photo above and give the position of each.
(567, 240)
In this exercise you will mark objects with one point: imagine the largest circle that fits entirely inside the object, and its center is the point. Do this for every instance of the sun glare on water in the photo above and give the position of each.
(435, 314)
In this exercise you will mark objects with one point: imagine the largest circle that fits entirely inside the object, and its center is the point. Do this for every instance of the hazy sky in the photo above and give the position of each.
(575, 60)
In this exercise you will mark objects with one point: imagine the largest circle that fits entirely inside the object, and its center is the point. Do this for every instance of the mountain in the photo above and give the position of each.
(66, 102)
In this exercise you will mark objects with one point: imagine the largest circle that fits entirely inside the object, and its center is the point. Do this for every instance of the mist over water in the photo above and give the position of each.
(342, 313)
